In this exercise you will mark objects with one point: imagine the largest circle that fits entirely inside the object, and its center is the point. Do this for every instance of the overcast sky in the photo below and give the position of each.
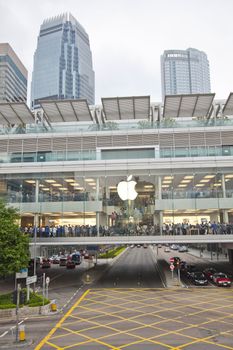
(127, 38)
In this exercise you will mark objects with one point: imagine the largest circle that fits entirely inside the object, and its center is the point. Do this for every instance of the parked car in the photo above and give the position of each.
(189, 269)
(183, 249)
(70, 264)
(45, 263)
(221, 279)
(174, 247)
(145, 246)
(209, 272)
(167, 249)
(198, 278)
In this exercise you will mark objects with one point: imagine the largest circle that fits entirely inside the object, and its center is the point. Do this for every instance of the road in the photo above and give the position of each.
(124, 296)
(136, 268)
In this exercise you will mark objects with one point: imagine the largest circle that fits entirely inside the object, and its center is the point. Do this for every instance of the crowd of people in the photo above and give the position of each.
(139, 230)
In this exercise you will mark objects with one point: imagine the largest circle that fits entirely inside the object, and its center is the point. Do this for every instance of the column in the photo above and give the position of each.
(224, 212)
(97, 213)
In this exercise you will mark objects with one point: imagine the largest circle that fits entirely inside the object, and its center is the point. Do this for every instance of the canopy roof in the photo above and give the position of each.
(66, 110)
(123, 108)
(228, 108)
(15, 113)
(193, 105)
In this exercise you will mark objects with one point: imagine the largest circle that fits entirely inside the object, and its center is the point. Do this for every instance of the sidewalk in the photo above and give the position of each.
(207, 255)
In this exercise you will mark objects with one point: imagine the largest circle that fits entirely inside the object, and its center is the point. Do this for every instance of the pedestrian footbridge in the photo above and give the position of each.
(105, 240)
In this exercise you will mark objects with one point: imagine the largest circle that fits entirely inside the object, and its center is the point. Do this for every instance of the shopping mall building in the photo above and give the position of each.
(61, 164)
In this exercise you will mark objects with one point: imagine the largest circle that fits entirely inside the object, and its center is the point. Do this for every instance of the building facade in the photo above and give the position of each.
(13, 76)
(64, 164)
(184, 72)
(62, 62)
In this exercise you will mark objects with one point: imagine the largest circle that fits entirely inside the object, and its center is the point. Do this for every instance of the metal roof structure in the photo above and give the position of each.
(228, 108)
(193, 105)
(60, 111)
(123, 108)
(15, 113)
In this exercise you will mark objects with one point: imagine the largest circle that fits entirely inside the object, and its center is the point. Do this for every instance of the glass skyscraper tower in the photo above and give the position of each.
(62, 62)
(184, 72)
(13, 76)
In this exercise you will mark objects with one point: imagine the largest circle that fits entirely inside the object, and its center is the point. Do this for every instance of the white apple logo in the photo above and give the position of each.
(126, 189)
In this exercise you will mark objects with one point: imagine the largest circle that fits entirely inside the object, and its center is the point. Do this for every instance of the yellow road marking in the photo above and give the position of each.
(43, 341)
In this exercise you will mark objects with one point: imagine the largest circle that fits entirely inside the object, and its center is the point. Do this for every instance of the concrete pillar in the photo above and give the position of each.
(223, 186)
(97, 213)
(214, 217)
(161, 222)
(225, 216)
(158, 187)
(230, 254)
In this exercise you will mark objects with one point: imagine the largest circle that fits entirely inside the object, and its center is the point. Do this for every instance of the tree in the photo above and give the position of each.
(14, 245)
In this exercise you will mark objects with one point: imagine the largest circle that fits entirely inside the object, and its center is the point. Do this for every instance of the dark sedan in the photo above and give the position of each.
(198, 278)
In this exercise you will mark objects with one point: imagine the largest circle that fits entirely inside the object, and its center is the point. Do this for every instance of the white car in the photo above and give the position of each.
(183, 249)
(167, 250)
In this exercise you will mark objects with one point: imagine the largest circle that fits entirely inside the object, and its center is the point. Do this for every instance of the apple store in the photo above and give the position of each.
(127, 165)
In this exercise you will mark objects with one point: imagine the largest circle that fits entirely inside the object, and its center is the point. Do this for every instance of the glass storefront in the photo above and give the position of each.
(77, 198)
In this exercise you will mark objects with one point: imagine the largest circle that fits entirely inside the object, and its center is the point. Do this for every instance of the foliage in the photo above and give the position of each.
(6, 300)
(144, 124)
(110, 126)
(14, 245)
(112, 253)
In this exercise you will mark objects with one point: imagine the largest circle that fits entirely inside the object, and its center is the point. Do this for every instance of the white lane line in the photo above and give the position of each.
(13, 327)
(66, 304)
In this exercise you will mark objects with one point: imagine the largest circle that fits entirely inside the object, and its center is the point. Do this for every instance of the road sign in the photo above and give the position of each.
(172, 260)
(172, 267)
(47, 280)
(22, 274)
(31, 279)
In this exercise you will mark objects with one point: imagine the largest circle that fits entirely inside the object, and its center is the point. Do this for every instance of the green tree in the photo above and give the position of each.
(14, 245)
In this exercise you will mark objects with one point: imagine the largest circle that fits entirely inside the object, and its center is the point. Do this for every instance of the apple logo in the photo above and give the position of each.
(126, 189)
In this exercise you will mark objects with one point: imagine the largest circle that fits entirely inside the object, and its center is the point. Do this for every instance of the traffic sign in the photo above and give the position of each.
(22, 274)
(172, 267)
(31, 279)
(47, 280)
(172, 260)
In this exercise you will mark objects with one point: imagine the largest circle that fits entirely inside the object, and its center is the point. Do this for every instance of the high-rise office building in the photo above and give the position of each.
(184, 72)
(62, 62)
(13, 76)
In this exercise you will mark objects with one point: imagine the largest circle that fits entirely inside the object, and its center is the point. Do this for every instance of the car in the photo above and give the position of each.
(174, 247)
(62, 261)
(45, 263)
(138, 245)
(189, 269)
(167, 249)
(145, 246)
(132, 246)
(198, 278)
(159, 245)
(209, 272)
(70, 264)
(221, 279)
(182, 249)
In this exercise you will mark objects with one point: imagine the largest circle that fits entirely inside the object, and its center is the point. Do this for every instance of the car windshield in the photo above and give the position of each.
(222, 275)
(199, 275)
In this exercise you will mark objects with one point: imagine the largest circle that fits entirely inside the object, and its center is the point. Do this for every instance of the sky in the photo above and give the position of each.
(127, 38)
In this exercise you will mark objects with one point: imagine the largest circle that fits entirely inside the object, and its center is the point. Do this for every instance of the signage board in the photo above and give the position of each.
(172, 267)
(22, 274)
(172, 260)
(47, 280)
(31, 279)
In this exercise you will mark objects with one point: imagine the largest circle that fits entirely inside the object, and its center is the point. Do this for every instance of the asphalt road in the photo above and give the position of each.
(136, 268)
(132, 276)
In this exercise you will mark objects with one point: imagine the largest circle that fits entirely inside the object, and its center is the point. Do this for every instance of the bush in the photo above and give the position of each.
(6, 300)
(112, 253)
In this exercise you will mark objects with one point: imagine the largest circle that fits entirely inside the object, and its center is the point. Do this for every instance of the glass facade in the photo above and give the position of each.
(62, 62)
(185, 72)
(87, 198)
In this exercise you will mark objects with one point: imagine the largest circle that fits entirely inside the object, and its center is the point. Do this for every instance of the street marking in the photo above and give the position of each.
(43, 341)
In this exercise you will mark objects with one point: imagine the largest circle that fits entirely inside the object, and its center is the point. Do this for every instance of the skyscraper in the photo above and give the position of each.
(62, 62)
(13, 76)
(184, 72)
